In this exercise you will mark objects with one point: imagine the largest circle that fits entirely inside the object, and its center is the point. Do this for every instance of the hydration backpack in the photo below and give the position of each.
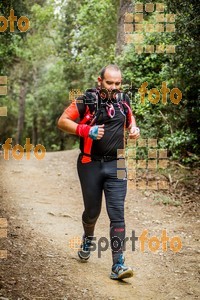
(95, 99)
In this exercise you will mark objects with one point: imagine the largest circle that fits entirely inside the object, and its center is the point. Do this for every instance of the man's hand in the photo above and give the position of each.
(134, 132)
(96, 132)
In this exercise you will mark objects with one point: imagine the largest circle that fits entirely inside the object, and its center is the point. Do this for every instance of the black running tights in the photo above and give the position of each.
(96, 177)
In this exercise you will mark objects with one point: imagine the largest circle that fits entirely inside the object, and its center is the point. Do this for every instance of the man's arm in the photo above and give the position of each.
(134, 132)
(66, 124)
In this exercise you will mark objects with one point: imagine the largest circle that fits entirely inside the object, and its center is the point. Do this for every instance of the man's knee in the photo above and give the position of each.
(90, 218)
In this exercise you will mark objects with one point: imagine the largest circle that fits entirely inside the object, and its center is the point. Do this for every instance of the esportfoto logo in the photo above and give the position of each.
(146, 243)
(139, 167)
(3, 234)
(135, 27)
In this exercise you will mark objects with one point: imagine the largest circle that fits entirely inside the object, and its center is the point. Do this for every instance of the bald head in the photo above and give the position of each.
(109, 67)
(110, 77)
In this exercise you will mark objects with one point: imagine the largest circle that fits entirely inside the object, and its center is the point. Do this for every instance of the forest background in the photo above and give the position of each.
(67, 44)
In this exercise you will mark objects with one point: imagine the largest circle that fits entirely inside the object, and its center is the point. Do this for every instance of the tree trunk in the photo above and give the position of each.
(125, 6)
(35, 131)
(21, 115)
(35, 111)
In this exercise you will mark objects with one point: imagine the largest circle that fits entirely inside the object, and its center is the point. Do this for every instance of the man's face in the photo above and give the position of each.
(112, 80)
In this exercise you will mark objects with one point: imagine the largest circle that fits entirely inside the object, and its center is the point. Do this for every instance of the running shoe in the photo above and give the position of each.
(84, 251)
(120, 271)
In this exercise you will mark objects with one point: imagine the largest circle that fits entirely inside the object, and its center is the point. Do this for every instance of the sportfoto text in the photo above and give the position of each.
(18, 151)
(23, 22)
(152, 244)
(154, 95)
(164, 91)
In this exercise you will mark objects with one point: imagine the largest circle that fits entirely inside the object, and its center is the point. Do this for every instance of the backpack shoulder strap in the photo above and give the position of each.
(90, 106)
(123, 97)
(124, 102)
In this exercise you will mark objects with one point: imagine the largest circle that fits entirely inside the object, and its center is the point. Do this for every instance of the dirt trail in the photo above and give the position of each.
(42, 203)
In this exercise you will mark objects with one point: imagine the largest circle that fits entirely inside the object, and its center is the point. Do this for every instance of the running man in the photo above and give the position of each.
(104, 114)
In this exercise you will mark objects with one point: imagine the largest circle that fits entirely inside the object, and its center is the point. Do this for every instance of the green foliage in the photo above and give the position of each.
(90, 37)
(9, 41)
(166, 200)
(180, 144)
(176, 126)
